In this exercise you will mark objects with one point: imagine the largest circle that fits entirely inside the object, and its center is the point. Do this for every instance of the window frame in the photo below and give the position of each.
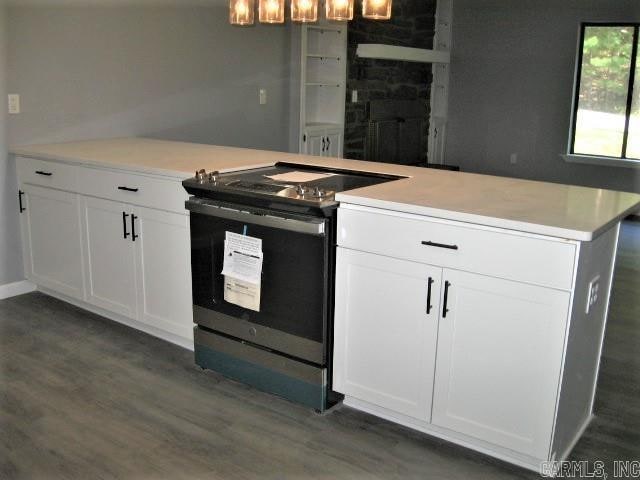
(622, 160)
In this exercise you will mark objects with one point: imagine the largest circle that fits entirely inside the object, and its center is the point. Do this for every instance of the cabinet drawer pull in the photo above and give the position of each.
(429, 306)
(20, 194)
(46, 174)
(440, 245)
(124, 225)
(446, 299)
(323, 144)
(328, 143)
(133, 228)
(128, 189)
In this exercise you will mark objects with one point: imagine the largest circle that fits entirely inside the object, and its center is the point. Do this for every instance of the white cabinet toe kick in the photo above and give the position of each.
(484, 337)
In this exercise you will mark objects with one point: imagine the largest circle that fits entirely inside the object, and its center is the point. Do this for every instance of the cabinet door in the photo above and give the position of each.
(385, 340)
(110, 259)
(314, 144)
(333, 144)
(163, 270)
(52, 240)
(499, 355)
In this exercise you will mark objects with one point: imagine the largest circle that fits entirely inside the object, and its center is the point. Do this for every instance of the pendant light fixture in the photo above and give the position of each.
(241, 12)
(304, 10)
(339, 10)
(271, 11)
(376, 9)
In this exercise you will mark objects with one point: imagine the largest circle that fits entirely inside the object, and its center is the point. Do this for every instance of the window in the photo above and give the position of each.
(606, 116)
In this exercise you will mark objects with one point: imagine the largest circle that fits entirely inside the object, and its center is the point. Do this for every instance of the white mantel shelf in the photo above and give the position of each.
(406, 54)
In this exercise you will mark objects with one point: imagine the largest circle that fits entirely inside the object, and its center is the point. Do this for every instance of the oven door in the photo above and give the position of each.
(294, 298)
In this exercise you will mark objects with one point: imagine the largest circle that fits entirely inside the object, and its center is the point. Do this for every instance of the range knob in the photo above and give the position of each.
(201, 175)
(302, 190)
(213, 176)
(319, 193)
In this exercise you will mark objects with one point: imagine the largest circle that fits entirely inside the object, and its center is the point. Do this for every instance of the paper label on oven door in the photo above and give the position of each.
(242, 293)
(242, 258)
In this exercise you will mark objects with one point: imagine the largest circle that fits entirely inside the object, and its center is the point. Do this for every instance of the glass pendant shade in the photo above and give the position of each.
(304, 10)
(271, 11)
(241, 12)
(340, 10)
(376, 9)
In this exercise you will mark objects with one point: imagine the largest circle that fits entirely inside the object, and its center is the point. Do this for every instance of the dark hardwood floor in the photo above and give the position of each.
(82, 397)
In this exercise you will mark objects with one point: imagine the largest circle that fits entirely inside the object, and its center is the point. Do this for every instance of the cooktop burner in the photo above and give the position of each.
(282, 184)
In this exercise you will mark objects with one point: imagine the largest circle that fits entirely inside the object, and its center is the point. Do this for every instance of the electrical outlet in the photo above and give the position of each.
(263, 96)
(593, 294)
(14, 103)
(354, 96)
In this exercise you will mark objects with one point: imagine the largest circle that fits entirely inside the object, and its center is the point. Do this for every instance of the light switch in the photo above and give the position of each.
(263, 96)
(354, 96)
(14, 103)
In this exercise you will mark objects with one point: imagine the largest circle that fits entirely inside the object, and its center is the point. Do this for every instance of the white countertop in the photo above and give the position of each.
(565, 211)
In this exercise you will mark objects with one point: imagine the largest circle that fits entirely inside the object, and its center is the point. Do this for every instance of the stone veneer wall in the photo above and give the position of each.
(412, 24)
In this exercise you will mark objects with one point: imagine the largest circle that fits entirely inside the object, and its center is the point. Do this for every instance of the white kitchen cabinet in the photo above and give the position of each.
(385, 331)
(499, 355)
(163, 270)
(138, 263)
(513, 346)
(104, 245)
(313, 143)
(322, 142)
(50, 222)
(334, 143)
(110, 256)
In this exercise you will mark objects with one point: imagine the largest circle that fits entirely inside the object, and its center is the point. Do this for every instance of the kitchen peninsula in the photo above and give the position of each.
(468, 306)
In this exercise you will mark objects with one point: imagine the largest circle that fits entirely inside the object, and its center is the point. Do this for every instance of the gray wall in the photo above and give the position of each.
(10, 253)
(178, 73)
(512, 76)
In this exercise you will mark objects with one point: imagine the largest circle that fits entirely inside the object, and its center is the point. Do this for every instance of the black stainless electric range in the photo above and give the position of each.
(274, 331)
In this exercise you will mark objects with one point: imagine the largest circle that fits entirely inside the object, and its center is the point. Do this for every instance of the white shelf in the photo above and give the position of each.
(323, 125)
(323, 84)
(321, 56)
(406, 54)
(327, 28)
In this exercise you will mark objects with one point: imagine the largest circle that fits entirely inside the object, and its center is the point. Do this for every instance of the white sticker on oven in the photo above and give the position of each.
(242, 293)
(242, 258)
(242, 270)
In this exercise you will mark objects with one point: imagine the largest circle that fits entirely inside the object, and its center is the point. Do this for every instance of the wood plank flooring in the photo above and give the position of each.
(82, 397)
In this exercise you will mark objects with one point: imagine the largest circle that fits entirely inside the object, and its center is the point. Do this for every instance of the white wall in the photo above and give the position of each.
(512, 76)
(10, 253)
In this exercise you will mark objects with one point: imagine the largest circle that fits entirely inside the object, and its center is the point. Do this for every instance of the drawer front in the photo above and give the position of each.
(132, 188)
(515, 257)
(47, 174)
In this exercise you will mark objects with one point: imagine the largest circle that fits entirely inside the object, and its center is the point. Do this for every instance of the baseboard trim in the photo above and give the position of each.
(504, 454)
(16, 288)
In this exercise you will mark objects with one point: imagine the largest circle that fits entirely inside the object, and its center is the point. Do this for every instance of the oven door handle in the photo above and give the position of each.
(313, 226)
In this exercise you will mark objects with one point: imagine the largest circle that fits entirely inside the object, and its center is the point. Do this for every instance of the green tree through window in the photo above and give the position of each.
(606, 113)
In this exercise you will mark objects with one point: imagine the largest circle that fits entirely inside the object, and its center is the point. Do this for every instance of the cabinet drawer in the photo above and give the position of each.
(516, 257)
(47, 174)
(132, 188)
